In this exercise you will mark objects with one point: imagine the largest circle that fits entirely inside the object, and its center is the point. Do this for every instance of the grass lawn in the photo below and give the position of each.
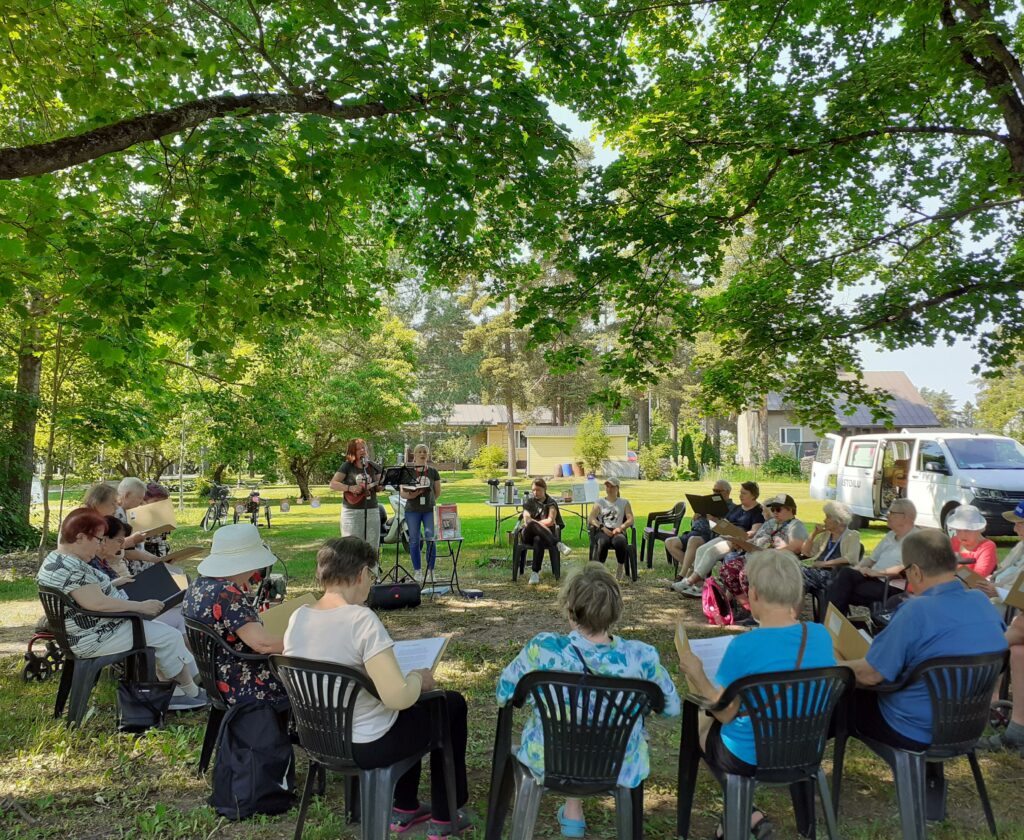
(93, 783)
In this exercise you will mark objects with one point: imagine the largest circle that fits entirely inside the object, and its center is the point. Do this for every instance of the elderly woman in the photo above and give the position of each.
(339, 628)
(832, 544)
(592, 604)
(419, 508)
(108, 558)
(107, 501)
(67, 568)
(780, 643)
(971, 548)
(218, 598)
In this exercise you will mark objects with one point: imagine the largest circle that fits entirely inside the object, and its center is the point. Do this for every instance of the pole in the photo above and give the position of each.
(181, 453)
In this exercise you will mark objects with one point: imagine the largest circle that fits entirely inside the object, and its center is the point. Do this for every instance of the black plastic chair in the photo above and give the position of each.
(790, 712)
(205, 644)
(960, 688)
(78, 676)
(654, 530)
(587, 721)
(630, 539)
(521, 549)
(323, 698)
(819, 599)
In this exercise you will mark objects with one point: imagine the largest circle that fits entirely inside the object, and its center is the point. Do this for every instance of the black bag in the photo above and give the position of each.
(142, 705)
(394, 596)
(254, 772)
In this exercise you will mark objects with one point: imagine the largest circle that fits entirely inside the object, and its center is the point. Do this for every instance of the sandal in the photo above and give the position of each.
(402, 821)
(571, 828)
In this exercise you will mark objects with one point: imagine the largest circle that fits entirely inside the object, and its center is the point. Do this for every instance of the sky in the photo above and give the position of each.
(939, 368)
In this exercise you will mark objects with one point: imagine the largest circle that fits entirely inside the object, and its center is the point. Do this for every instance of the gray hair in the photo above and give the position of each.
(904, 506)
(777, 576)
(726, 485)
(838, 512)
(930, 550)
(131, 485)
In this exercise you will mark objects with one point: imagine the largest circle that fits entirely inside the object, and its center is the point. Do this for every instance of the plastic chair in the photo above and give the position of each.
(521, 549)
(790, 712)
(78, 675)
(206, 644)
(960, 688)
(587, 721)
(323, 697)
(631, 540)
(654, 532)
(819, 599)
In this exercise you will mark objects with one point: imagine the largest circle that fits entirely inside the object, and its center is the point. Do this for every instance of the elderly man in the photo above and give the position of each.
(864, 584)
(683, 548)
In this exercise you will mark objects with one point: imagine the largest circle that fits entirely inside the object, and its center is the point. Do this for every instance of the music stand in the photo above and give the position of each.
(393, 477)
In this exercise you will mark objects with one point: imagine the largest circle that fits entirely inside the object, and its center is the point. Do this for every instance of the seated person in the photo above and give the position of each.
(747, 515)
(832, 545)
(157, 545)
(782, 531)
(609, 520)
(682, 548)
(864, 584)
(592, 604)
(942, 619)
(780, 643)
(973, 551)
(541, 526)
(109, 557)
(217, 598)
(1012, 564)
(67, 569)
(130, 494)
(339, 628)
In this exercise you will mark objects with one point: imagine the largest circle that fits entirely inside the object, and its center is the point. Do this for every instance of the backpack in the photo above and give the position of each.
(716, 605)
(255, 768)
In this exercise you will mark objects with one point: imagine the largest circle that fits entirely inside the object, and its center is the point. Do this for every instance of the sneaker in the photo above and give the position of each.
(998, 743)
(566, 551)
(181, 702)
(439, 829)
(534, 578)
(690, 590)
(419, 576)
(402, 821)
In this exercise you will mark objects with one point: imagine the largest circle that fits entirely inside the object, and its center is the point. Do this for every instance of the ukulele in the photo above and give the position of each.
(358, 495)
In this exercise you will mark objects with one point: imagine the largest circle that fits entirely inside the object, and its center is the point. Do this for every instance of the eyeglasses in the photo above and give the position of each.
(98, 539)
(895, 513)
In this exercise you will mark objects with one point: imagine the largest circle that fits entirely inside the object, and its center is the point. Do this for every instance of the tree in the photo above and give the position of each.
(999, 403)
(592, 442)
(967, 416)
(874, 156)
(943, 404)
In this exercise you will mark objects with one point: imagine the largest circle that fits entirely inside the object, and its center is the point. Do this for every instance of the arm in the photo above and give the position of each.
(629, 519)
(862, 670)
(396, 692)
(92, 598)
(987, 558)
(437, 490)
(692, 667)
(338, 483)
(808, 547)
(550, 517)
(143, 555)
(255, 635)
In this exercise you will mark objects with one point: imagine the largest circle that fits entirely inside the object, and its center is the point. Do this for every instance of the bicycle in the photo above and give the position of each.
(217, 509)
(251, 507)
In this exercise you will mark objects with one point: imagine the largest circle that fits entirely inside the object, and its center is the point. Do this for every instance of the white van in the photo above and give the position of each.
(936, 470)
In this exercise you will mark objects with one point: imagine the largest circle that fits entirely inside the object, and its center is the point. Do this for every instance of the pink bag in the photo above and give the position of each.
(716, 605)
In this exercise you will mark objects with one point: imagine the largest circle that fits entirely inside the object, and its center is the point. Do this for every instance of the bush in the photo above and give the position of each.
(782, 466)
(489, 462)
(592, 444)
(15, 533)
(454, 449)
(688, 459)
(654, 462)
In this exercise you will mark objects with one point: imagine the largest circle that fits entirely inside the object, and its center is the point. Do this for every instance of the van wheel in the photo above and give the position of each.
(946, 511)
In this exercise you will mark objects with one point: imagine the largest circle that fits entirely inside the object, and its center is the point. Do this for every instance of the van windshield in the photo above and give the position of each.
(987, 453)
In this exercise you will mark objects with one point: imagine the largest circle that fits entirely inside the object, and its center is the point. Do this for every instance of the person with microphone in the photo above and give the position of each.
(357, 479)
(420, 497)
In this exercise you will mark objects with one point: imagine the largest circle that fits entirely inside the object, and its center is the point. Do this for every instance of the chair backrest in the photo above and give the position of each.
(55, 605)
(961, 689)
(678, 512)
(323, 698)
(790, 713)
(586, 720)
(206, 645)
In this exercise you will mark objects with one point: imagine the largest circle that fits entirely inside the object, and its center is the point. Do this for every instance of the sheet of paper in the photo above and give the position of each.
(710, 653)
(835, 623)
(419, 653)
(1002, 592)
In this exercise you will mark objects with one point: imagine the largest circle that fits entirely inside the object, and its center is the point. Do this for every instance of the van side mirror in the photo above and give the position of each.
(934, 467)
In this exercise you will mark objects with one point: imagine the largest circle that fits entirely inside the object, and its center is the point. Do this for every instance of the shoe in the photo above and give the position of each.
(690, 590)
(402, 821)
(998, 743)
(571, 828)
(439, 829)
(181, 702)
(534, 579)
(739, 615)
(419, 576)
(566, 551)
(749, 622)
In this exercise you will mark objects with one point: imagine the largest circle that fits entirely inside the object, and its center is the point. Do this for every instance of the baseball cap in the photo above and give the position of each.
(612, 480)
(1015, 515)
(781, 500)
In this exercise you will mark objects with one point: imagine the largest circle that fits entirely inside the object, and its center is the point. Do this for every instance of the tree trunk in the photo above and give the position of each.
(218, 473)
(762, 432)
(24, 416)
(643, 422)
(674, 407)
(510, 434)
(300, 472)
(44, 532)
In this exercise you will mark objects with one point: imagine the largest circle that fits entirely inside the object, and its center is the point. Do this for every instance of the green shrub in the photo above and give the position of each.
(592, 444)
(489, 462)
(782, 466)
(654, 462)
(15, 533)
(454, 449)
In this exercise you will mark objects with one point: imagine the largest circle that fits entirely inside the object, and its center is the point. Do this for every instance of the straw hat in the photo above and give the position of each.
(236, 549)
(966, 518)
(1016, 515)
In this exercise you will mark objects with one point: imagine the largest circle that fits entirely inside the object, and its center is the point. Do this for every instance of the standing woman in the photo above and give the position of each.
(357, 479)
(419, 508)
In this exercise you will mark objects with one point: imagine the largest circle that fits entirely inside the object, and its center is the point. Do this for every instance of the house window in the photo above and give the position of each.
(789, 434)
(520, 439)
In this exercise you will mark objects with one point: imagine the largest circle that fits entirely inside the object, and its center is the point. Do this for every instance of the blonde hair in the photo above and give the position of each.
(591, 599)
(777, 576)
(99, 494)
(418, 447)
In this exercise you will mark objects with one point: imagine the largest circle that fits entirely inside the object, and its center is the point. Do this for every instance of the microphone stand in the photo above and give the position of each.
(398, 572)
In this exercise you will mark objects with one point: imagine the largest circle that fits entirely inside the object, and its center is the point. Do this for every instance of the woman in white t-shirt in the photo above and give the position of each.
(339, 628)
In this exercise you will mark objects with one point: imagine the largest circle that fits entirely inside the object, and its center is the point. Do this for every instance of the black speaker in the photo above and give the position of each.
(394, 596)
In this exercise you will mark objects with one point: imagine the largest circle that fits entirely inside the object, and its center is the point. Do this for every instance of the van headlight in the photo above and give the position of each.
(985, 493)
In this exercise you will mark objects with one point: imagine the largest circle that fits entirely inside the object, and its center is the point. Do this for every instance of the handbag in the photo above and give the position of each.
(142, 705)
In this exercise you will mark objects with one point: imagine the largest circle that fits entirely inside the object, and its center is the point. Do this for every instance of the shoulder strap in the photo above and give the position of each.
(583, 662)
(803, 645)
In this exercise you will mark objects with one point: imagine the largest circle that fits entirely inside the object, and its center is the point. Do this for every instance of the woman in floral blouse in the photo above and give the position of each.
(218, 598)
(592, 604)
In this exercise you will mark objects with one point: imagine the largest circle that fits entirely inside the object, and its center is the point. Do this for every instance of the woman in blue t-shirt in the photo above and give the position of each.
(780, 643)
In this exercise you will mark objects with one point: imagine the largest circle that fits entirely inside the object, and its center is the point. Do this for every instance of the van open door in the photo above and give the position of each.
(825, 467)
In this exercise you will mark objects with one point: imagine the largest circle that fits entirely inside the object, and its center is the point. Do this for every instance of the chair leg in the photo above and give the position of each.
(934, 791)
(979, 781)
(638, 811)
(624, 818)
(802, 796)
(67, 678)
(909, 771)
(739, 803)
(838, 755)
(351, 789)
(86, 675)
(376, 795)
(826, 805)
(556, 563)
(449, 785)
(307, 793)
(210, 738)
(527, 806)
(686, 782)
(502, 788)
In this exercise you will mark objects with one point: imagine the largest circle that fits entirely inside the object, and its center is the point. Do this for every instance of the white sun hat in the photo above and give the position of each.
(236, 549)
(966, 518)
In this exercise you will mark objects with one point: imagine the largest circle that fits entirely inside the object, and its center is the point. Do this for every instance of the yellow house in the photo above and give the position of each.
(488, 424)
(548, 447)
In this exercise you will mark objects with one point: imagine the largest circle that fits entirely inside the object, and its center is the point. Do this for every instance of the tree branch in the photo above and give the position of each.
(40, 158)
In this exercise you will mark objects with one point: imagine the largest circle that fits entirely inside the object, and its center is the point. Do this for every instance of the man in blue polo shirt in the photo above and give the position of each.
(942, 619)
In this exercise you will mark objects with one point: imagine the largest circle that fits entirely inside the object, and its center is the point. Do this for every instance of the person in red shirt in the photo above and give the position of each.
(973, 550)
